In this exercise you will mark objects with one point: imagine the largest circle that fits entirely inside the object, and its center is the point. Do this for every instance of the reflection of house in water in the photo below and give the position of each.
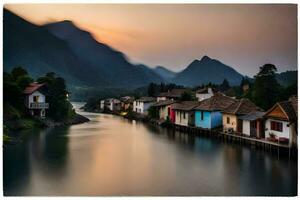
(35, 99)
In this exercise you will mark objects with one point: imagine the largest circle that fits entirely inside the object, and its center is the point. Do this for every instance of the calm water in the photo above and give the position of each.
(114, 156)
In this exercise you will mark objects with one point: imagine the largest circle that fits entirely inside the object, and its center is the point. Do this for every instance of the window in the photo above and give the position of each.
(228, 120)
(202, 115)
(183, 115)
(276, 126)
(36, 98)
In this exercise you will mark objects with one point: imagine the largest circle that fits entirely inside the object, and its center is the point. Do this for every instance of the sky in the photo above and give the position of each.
(173, 35)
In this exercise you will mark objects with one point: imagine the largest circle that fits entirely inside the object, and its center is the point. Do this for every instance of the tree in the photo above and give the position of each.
(225, 85)
(186, 96)
(151, 90)
(23, 81)
(266, 89)
(17, 72)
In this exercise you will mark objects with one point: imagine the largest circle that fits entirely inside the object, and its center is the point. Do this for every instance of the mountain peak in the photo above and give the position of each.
(205, 58)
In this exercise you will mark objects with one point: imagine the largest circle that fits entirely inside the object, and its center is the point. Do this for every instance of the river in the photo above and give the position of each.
(114, 156)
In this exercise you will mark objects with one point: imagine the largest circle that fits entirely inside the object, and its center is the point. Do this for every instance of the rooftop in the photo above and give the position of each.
(33, 87)
(146, 99)
(185, 105)
(163, 103)
(217, 102)
(174, 93)
(242, 107)
(252, 116)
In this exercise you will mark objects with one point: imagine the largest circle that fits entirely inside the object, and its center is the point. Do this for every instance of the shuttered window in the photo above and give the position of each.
(276, 126)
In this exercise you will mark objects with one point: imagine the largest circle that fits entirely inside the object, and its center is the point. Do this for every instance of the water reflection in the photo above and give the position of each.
(115, 156)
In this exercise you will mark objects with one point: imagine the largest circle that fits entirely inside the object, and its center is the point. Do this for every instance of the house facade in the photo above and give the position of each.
(183, 113)
(208, 114)
(35, 99)
(281, 122)
(253, 124)
(110, 104)
(142, 105)
(163, 109)
(232, 114)
(127, 103)
(204, 93)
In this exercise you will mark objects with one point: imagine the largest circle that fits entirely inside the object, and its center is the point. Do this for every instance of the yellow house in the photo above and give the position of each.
(231, 121)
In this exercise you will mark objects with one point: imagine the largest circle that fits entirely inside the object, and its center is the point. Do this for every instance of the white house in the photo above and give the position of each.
(184, 113)
(35, 99)
(142, 104)
(281, 122)
(112, 104)
(253, 124)
(204, 93)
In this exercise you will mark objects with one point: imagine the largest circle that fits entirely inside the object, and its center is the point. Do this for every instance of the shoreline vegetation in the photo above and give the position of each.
(17, 116)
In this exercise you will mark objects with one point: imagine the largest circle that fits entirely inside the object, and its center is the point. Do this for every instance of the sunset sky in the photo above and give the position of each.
(242, 36)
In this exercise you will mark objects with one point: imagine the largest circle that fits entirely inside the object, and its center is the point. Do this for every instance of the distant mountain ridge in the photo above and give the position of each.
(70, 52)
(88, 65)
(207, 70)
(167, 74)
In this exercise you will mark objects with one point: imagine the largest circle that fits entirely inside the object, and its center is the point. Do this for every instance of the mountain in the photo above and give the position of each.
(165, 73)
(287, 78)
(207, 70)
(100, 57)
(70, 52)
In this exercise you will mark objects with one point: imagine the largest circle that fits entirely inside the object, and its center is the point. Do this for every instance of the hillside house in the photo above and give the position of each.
(231, 115)
(208, 114)
(163, 109)
(173, 94)
(184, 113)
(142, 104)
(35, 99)
(205, 93)
(281, 121)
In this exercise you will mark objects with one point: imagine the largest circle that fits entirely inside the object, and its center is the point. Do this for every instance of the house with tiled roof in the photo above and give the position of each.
(208, 114)
(142, 104)
(205, 93)
(281, 121)
(35, 99)
(164, 110)
(231, 116)
(173, 94)
(184, 114)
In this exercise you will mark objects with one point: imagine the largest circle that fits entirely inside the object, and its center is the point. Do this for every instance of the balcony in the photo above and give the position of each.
(39, 105)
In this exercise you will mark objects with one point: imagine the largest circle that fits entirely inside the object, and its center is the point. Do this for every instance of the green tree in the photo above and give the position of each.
(151, 90)
(23, 81)
(17, 72)
(266, 89)
(186, 96)
(225, 85)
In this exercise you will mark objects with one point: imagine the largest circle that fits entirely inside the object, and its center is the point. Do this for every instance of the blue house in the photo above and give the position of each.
(208, 114)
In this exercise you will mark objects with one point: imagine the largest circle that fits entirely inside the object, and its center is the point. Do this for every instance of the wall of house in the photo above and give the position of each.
(181, 118)
(201, 97)
(146, 106)
(233, 121)
(206, 122)
(161, 98)
(163, 112)
(286, 129)
(216, 119)
(246, 127)
(42, 98)
(138, 106)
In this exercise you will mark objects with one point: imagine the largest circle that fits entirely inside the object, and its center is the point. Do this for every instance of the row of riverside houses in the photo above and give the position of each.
(216, 111)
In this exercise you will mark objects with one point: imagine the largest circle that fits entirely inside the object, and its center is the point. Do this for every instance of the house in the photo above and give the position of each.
(163, 109)
(208, 114)
(110, 104)
(173, 94)
(205, 93)
(281, 121)
(253, 124)
(35, 99)
(184, 113)
(142, 104)
(127, 103)
(231, 114)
